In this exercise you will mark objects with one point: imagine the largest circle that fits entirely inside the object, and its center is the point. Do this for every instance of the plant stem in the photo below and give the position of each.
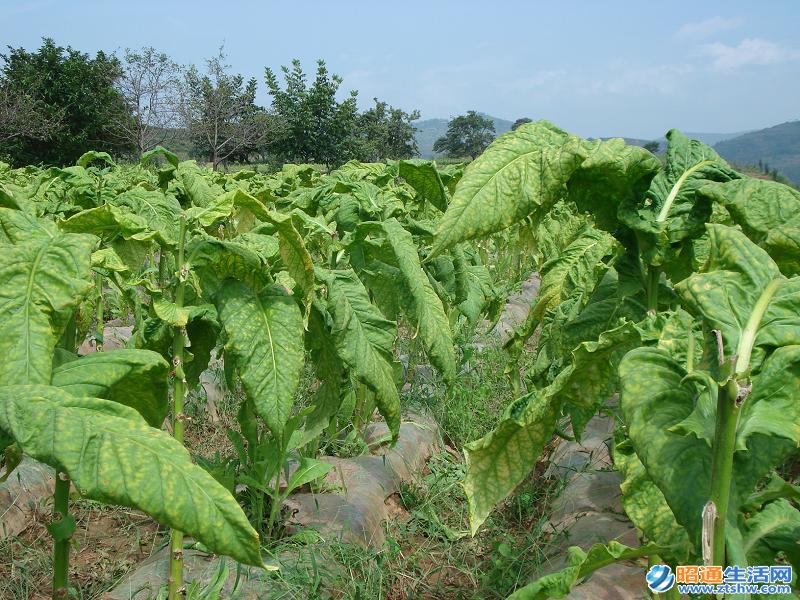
(730, 399)
(175, 580)
(722, 464)
(653, 276)
(61, 546)
(98, 325)
(162, 269)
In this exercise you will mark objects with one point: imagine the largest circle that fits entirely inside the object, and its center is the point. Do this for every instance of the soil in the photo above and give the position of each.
(108, 542)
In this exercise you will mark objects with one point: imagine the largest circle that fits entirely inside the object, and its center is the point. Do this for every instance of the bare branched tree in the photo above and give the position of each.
(220, 113)
(151, 86)
(21, 117)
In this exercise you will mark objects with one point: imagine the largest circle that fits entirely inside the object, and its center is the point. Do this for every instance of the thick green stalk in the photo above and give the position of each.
(61, 546)
(730, 399)
(98, 323)
(62, 529)
(162, 269)
(722, 465)
(175, 581)
(672, 593)
(653, 277)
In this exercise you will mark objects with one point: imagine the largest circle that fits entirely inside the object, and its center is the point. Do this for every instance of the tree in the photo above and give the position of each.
(220, 114)
(521, 121)
(22, 116)
(74, 95)
(150, 84)
(652, 146)
(317, 127)
(467, 135)
(386, 132)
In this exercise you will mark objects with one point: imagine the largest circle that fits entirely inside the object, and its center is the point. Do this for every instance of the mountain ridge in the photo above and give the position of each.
(778, 146)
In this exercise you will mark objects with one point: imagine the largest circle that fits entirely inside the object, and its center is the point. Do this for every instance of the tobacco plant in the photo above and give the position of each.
(673, 285)
(94, 418)
(268, 271)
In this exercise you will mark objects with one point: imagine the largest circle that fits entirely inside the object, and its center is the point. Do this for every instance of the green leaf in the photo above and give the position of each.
(521, 172)
(219, 208)
(293, 250)
(17, 226)
(783, 245)
(41, 283)
(171, 313)
(671, 212)
(381, 279)
(264, 336)
(646, 507)
(737, 274)
(480, 292)
(214, 260)
(653, 399)
(776, 528)
(199, 192)
(364, 340)
(772, 408)
(775, 488)
(12, 455)
(114, 457)
(108, 259)
(171, 157)
(106, 222)
(756, 205)
(423, 176)
(159, 211)
(330, 371)
(307, 471)
(87, 157)
(500, 461)
(581, 564)
(575, 271)
(135, 378)
(202, 330)
(611, 174)
(559, 227)
(420, 302)
(768, 212)
(594, 378)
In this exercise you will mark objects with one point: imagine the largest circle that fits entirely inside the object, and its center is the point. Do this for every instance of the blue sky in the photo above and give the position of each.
(608, 67)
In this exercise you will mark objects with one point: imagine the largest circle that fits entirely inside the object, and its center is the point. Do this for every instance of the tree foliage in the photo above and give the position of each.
(78, 107)
(220, 113)
(318, 128)
(467, 136)
(520, 121)
(386, 132)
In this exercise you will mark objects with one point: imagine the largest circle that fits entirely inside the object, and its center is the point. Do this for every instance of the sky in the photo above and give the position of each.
(602, 68)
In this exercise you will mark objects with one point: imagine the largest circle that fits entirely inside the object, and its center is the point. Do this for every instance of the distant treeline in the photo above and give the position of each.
(56, 103)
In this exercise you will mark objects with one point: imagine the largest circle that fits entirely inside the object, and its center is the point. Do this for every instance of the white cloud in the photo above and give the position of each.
(619, 78)
(709, 27)
(749, 52)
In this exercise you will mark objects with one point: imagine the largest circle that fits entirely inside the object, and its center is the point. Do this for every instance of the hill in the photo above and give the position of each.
(711, 139)
(778, 147)
(429, 130)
